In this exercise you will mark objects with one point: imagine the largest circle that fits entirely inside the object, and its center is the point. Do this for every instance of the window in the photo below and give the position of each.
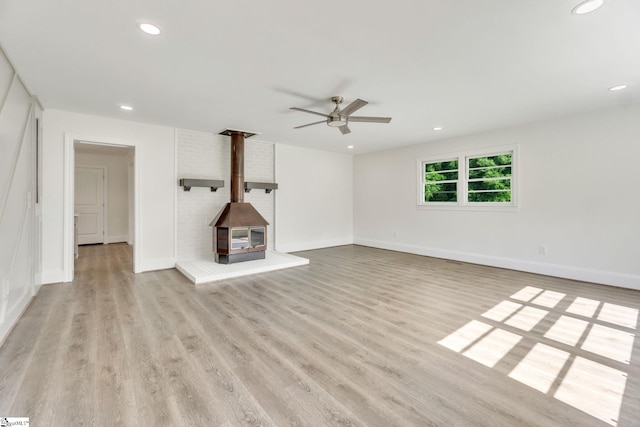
(489, 178)
(441, 181)
(471, 179)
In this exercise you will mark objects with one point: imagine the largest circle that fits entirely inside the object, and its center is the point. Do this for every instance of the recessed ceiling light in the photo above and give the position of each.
(150, 29)
(126, 107)
(587, 6)
(350, 147)
(437, 128)
(619, 87)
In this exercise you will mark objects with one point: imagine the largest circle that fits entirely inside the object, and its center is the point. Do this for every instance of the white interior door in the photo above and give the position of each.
(89, 205)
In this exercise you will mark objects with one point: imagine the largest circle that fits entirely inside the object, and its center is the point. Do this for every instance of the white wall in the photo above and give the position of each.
(579, 179)
(155, 153)
(314, 200)
(19, 214)
(207, 156)
(117, 166)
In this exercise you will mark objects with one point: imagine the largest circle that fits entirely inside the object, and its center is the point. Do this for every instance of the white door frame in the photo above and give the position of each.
(69, 202)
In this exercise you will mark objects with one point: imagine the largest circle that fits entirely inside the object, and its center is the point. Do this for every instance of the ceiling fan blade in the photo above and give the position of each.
(344, 129)
(353, 107)
(309, 111)
(370, 119)
(310, 124)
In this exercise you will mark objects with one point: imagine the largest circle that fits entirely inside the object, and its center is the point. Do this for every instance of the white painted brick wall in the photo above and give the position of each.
(206, 156)
(259, 166)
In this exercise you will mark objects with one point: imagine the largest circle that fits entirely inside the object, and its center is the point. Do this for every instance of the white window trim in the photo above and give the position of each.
(462, 204)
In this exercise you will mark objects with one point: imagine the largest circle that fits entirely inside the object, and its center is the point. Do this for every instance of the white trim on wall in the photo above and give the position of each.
(156, 264)
(611, 278)
(68, 200)
(68, 209)
(274, 226)
(130, 197)
(307, 246)
(53, 276)
(175, 194)
(116, 239)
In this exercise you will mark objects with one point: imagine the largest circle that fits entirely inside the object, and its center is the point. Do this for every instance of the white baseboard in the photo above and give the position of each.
(52, 276)
(612, 278)
(156, 264)
(307, 246)
(57, 276)
(116, 239)
(8, 324)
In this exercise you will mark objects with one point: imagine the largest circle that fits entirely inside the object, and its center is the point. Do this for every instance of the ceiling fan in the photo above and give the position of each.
(341, 118)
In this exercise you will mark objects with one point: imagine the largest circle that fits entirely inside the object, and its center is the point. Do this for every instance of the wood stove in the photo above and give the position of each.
(239, 231)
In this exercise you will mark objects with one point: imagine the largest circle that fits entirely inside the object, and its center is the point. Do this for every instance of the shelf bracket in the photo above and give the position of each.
(266, 186)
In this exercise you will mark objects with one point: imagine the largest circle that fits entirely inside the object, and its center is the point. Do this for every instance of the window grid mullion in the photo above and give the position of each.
(462, 186)
(499, 178)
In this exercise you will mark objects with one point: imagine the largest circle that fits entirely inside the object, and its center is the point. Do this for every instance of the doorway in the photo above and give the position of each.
(101, 197)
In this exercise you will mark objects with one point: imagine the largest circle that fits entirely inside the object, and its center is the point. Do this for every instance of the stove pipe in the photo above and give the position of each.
(237, 166)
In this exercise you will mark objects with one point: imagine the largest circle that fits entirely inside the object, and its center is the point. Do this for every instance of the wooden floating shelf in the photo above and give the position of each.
(266, 186)
(213, 184)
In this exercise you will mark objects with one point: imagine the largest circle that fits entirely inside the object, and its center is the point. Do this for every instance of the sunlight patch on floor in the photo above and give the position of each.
(540, 367)
(465, 336)
(527, 318)
(493, 347)
(526, 294)
(610, 343)
(593, 388)
(583, 307)
(502, 310)
(619, 315)
(558, 366)
(567, 330)
(549, 299)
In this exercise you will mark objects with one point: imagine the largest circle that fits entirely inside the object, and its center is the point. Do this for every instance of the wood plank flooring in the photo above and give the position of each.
(360, 336)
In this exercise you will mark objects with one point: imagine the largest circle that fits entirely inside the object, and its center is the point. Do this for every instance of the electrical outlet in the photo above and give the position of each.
(542, 250)
(395, 234)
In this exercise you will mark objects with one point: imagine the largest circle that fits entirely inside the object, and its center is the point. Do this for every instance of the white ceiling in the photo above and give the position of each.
(465, 65)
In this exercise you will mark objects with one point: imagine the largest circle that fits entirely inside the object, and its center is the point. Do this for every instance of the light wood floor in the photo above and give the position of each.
(359, 337)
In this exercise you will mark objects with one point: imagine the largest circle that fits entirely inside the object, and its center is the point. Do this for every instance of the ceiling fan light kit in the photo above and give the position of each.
(340, 118)
(337, 122)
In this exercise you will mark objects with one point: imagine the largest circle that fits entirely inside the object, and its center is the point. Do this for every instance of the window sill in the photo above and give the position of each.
(474, 208)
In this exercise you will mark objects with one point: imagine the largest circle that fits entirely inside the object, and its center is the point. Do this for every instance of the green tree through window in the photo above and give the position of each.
(441, 181)
(489, 178)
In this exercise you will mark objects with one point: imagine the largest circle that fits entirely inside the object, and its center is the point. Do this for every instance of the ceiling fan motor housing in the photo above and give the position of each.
(336, 119)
